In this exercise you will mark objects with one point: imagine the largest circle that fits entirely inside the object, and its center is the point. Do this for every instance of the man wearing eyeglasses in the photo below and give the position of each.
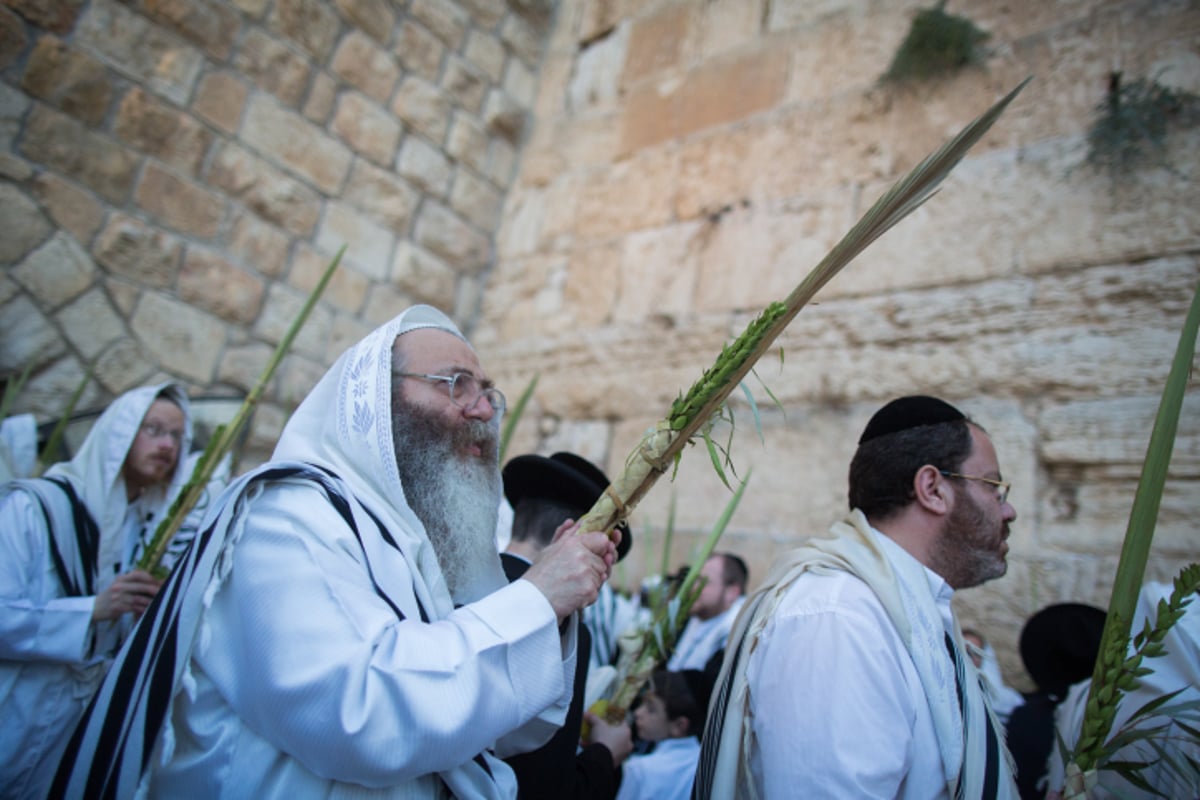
(846, 674)
(343, 627)
(68, 589)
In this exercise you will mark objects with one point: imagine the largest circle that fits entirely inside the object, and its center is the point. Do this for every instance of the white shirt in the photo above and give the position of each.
(838, 708)
(702, 638)
(666, 773)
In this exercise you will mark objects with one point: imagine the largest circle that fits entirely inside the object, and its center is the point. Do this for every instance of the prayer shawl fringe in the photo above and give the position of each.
(724, 769)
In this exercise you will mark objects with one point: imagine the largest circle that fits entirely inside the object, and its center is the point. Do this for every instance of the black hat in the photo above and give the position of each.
(564, 478)
(1059, 644)
(909, 412)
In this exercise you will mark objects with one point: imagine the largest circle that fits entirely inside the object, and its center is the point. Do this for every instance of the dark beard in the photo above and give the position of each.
(967, 551)
(455, 496)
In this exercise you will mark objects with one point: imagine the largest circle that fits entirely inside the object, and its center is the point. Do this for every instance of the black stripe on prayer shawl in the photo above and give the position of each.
(710, 743)
(87, 542)
(991, 773)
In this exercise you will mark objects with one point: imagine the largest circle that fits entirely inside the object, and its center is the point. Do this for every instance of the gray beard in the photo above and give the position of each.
(456, 498)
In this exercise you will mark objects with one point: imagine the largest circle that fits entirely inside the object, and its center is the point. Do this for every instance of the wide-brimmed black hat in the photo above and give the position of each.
(564, 478)
(1059, 644)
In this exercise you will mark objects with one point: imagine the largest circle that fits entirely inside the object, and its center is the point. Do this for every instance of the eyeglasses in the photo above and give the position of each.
(157, 432)
(1002, 487)
(465, 389)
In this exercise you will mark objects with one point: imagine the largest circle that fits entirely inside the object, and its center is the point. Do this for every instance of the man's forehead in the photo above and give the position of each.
(163, 409)
(983, 453)
(433, 348)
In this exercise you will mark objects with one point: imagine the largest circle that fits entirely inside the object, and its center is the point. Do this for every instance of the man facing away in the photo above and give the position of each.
(341, 626)
(712, 613)
(69, 593)
(846, 675)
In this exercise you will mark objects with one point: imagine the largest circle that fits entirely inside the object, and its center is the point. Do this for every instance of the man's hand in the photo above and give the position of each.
(572, 569)
(132, 591)
(617, 738)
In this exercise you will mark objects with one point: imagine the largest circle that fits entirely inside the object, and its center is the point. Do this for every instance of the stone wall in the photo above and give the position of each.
(176, 175)
(691, 161)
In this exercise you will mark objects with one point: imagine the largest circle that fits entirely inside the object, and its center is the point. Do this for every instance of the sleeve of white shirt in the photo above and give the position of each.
(312, 658)
(833, 716)
(36, 623)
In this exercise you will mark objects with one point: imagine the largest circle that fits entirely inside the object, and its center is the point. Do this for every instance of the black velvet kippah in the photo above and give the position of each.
(909, 412)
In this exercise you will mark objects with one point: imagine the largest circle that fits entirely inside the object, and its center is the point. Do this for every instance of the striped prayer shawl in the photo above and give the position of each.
(74, 538)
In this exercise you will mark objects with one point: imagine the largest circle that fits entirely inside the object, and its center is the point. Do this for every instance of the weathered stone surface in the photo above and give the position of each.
(220, 98)
(520, 83)
(282, 306)
(657, 42)
(177, 334)
(13, 40)
(485, 12)
(39, 343)
(365, 65)
(62, 144)
(91, 324)
(633, 195)
(501, 161)
(503, 115)
(258, 245)
(443, 233)
(67, 79)
(424, 166)
(71, 208)
(56, 272)
(347, 286)
(57, 16)
(321, 97)
(381, 195)
(423, 107)
(311, 24)
(130, 249)
(272, 65)
(242, 365)
(367, 128)
(211, 283)
(376, 17)
(728, 25)
(155, 128)
(384, 303)
(486, 52)
(467, 141)
(25, 227)
(522, 38)
(143, 50)
(295, 144)
(476, 199)
(208, 24)
(464, 83)
(443, 18)
(369, 246)
(178, 203)
(423, 277)
(419, 51)
(271, 194)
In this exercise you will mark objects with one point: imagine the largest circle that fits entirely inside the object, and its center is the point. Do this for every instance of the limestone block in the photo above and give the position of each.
(423, 276)
(369, 245)
(384, 303)
(596, 19)
(311, 24)
(1114, 431)
(321, 97)
(344, 332)
(367, 128)
(422, 106)
(467, 141)
(424, 166)
(419, 51)
(790, 15)
(593, 284)
(57, 16)
(464, 83)
(296, 144)
(177, 334)
(347, 286)
(8, 289)
(484, 12)
(25, 227)
(727, 25)
(376, 17)
(297, 378)
(365, 65)
(657, 42)
(501, 161)
(13, 102)
(594, 83)
(266, 190)
(69, 80)
(270, 64)
(381, 195)
(553, 79)
(62, 144)
(220, 98)
(178, 203)
(523, 39)
(157, 129)
(241, 366)
(13, 40)
(143, 50)
(91, 324)
(56, 272)
(486, 52)
(446, 235)
(504, 115)
(634, 194)
(476, 199)
(585, 438)
(520, 229)
(445, 19)
(253, 8)
(39, 342)
(131, 249)
(519, 302)
(211, 283)
(124, 295)
(650, 280)
(846, 53)
(258, 245)
(520, 83)
(282, 306)
(212, 26)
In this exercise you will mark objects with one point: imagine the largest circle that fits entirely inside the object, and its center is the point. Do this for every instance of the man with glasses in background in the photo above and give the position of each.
(846, 674)
(69, 593)
(342, 626)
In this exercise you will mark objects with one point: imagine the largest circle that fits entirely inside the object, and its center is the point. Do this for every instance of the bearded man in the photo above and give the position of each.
(68, 544)
(846, 674)
(341, 626)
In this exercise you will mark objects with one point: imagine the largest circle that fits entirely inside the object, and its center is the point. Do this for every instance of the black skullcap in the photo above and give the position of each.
(563, 478)
(1059, 645)
(909, 412)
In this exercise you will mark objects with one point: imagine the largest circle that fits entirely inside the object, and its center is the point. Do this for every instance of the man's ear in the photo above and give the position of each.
(930, 490)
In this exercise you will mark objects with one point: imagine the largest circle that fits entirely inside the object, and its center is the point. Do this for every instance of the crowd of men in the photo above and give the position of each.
(342, 623)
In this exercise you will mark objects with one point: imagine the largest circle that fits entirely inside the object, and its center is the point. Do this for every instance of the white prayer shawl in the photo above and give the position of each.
(340, 440)
(903, 590)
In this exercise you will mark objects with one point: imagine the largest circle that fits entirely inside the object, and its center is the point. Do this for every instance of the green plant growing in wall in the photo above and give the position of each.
(1131, 123)
(938, 44)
